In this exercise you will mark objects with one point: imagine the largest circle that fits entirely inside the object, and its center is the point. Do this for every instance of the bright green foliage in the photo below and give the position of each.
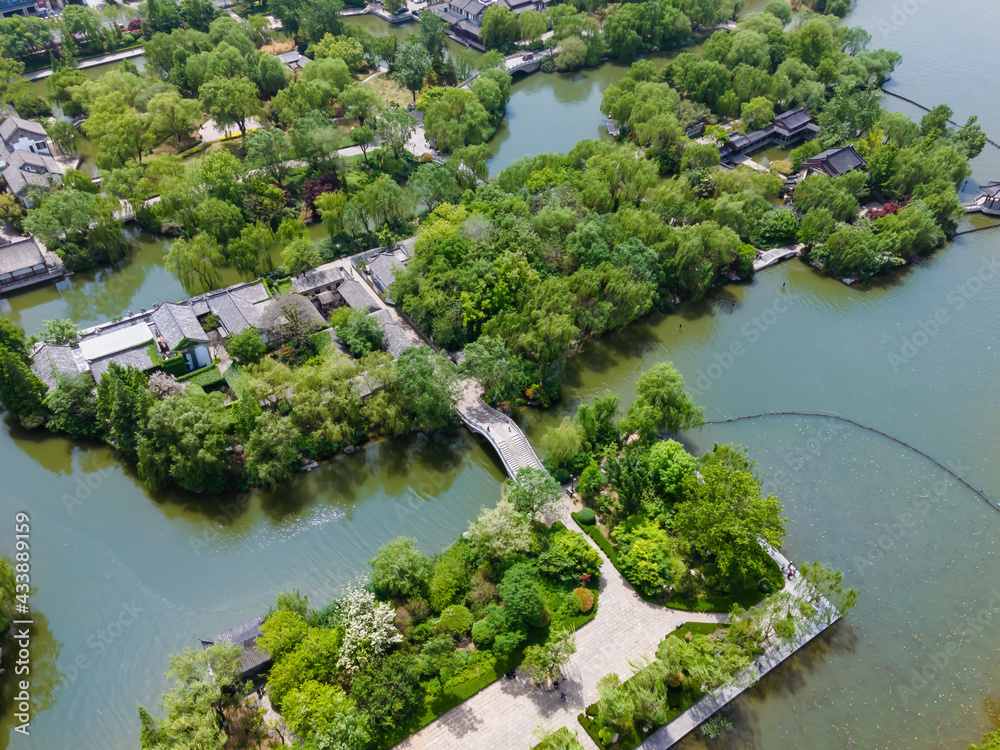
(670, 465)
(400, 571)
(591, 482)
(388, 690)
(312, 657)
(455, 621)
(411, 65)
(326, 716)
(282, 631)
(646, 556)
(500, 27)
(246, 347)
(197, 263)
(503, 374)
(725, 513)
(231, 101)
(300, 255)
(426, 382)
(569, 557)
(457, 119)
(563, 442)
(188, 440)
(662, 403)
(21, 392)
(450, 577)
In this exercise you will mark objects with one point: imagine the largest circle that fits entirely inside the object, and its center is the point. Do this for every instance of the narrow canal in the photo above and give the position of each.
(124, 579)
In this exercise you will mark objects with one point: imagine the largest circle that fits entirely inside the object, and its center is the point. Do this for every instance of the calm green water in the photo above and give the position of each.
(125, 579)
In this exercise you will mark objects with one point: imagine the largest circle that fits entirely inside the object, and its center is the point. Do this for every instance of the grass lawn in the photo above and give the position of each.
(686, 602)
(387, 88)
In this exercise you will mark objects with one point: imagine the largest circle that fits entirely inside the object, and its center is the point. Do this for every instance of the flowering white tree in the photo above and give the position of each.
(368, 627)
(500, 531)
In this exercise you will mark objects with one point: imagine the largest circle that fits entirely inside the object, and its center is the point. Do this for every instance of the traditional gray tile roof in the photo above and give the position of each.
(991, 189)
(317, 278)
(49, 361)
(355, 295)
(236, 306)
(177, 323)
(293, 59)
(793, 119)
(396, 340)
(14, 127)
(253, 658)
(25, 169)
(138, 358)
(836, 161)
(383, 269)
(22, 253)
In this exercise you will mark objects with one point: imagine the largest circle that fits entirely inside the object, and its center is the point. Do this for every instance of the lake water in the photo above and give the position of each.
(124, 578)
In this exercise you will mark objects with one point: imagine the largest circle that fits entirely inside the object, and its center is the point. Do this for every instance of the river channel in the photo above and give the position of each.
(125, 578)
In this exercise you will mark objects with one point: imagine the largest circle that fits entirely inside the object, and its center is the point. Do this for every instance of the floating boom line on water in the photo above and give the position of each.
(827, 415)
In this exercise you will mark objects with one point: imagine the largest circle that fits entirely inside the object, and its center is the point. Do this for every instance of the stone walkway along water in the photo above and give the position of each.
(503, 715)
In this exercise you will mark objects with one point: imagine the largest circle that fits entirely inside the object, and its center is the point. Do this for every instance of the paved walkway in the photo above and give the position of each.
(504, 715)
(91, 62)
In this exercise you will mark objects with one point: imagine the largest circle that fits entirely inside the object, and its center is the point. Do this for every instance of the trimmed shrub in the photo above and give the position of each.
(455, 620)
(587, 517)
(586, 597)
(483, 634)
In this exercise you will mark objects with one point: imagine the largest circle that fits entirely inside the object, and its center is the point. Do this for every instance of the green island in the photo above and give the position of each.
(354, 273)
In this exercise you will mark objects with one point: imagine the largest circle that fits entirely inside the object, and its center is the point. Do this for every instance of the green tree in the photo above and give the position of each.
(122, 405)
(400, 571)
(439, 658)
(21, 392)
(188, 441)
(59, 331)
(758, 113)
(326, 717)
(426, 384)
(72, 407)
(231, 101)
(533, 492)
(300, 256)
(271, 453)
(364, 138)
(662, 403)
(569, 557)
(220, 220)
(726, 514)
(250, 253)
(434, 35)
(197, 263)
(172, 117)
(246, 347)
(411, 65)
(544, 663)
(359, 332)
(499, 532)
(360, 101)
(344, 48)
(502, 374)
(395, 128)
(267, 149)
(522, 598)
(457, 119)
(500, 27)
(828, 583)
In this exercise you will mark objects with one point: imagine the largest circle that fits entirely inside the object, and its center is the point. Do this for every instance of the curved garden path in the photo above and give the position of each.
(504, 715)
